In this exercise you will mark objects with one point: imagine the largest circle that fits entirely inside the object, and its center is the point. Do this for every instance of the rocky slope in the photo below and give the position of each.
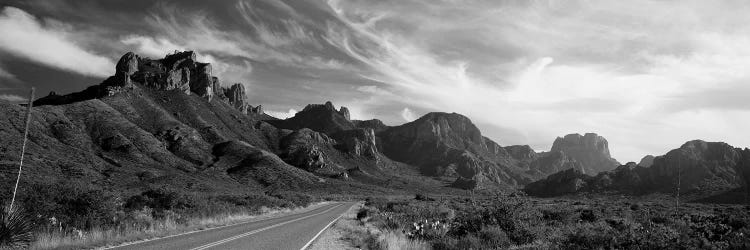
(701, 168)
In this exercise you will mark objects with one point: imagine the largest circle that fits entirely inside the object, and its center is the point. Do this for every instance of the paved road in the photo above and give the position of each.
(292, 231)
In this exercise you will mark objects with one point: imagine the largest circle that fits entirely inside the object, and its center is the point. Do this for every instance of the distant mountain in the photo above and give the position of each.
(701, 168)
(323, 118)
(591, 150)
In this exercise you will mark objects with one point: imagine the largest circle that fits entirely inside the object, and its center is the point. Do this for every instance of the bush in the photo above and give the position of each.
(71, 204)
(658, 219)
(160, 200)
(423, 197)
(362, 214)
(296, 198)
(557, 215)
(376, 202)
(494, 237)
(589, 215)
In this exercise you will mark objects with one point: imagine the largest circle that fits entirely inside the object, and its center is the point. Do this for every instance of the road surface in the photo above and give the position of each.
(293, 231)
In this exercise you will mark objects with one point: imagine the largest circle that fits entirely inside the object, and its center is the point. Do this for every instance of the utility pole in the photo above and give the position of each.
(23, 146)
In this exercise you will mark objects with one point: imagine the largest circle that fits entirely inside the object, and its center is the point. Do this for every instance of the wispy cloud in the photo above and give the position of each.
(12, 98)
(7, 75)
(408, 115)
(27, 37)
(612, 67)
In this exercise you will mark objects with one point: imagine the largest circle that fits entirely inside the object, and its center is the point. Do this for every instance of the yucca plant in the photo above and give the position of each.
(16, 228)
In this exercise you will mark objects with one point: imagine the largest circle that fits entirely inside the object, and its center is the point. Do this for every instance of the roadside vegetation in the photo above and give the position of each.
(516, 221)
(64, 216)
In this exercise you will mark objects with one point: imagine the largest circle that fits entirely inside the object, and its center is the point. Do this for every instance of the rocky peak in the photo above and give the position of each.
(128, 63)
(345, 112)
(591, 150)
(452, 129)
(237, 97)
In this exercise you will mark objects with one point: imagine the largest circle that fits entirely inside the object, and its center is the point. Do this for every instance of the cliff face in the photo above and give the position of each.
(591, 150)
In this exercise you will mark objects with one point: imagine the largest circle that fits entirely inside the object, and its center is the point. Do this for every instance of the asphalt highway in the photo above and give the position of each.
(292, 231)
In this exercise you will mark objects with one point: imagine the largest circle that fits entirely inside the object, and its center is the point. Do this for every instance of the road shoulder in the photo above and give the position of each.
(335, 236)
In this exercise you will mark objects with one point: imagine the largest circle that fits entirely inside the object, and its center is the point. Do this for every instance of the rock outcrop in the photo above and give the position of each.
(303, 149)
(591, 150)
(237, 97)
(179, 71)
(646, 161)
(358, 141)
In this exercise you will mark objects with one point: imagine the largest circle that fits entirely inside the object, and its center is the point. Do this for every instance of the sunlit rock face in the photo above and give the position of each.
(591, 150)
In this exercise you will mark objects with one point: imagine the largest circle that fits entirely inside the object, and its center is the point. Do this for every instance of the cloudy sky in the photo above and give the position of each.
(647, 75)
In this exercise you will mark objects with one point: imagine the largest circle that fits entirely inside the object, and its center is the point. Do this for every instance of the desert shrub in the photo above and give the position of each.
(494, 237)
(737, 224)
(635, 207)
(521, 235)
(561, 215)
(71, 205)
(589, 238)
(467, 242)
(376, 202)
(423, 197)
(659, 219)
(589, 215)
(16, 228)
(160, 200)
(296, 198)
(362, 214)
(254, 202)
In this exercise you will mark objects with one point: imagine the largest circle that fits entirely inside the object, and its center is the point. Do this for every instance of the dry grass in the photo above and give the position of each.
(156, 229)
(392, 240)
(364, 235)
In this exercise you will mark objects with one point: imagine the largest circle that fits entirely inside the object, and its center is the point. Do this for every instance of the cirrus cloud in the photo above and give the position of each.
(27, 37)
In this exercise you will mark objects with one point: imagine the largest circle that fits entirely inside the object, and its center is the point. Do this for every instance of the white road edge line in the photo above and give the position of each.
(196, 231)
(326, 227)
(216, 243)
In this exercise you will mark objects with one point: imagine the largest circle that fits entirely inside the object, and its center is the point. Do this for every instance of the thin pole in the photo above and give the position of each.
(23, 146)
